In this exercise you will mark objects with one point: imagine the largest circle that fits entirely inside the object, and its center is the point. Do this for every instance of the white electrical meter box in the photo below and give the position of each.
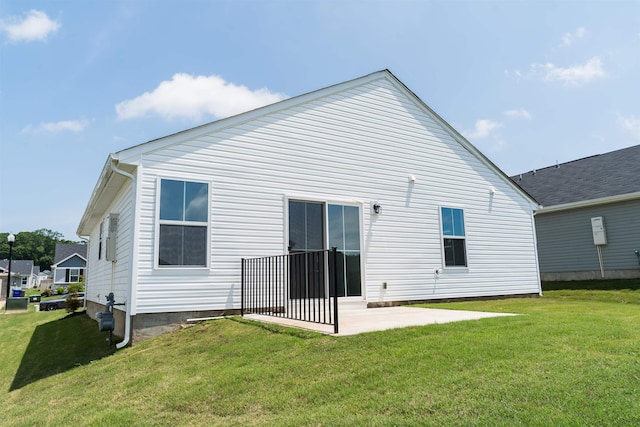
(597, 226)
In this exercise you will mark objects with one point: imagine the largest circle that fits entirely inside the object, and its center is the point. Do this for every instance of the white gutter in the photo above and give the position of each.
(127, 323)
(586, 203)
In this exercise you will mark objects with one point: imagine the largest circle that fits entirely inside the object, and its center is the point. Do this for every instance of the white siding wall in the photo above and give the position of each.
(360, 144)
(104, 276)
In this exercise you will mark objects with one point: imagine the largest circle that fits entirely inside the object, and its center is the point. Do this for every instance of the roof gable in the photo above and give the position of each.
(65, 251)
(128, 159)
(590, 178)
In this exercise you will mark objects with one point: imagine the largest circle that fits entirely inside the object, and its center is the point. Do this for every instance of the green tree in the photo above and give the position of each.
(38, 245)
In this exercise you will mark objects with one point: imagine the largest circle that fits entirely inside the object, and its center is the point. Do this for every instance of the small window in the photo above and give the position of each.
(100, 239)
(453, 234)
(184, 212)
(72, 275)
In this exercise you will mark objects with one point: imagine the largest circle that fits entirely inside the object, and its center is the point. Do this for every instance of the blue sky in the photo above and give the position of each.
(527, 82)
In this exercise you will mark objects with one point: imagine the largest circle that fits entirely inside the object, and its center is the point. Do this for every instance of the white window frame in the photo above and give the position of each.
(296, 197)
(160, 222)
(442, 237)
(71, 275)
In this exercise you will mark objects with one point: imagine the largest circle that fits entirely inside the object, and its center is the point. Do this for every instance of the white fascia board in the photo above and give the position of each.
(91, 211)
(97, 190)
(587, 203)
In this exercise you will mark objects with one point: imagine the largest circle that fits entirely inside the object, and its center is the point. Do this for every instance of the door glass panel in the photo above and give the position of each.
(297, 226)
(336, 237)
(315, 226)
(351, 228)
(344, 234)
(352, 269)
(306, 234)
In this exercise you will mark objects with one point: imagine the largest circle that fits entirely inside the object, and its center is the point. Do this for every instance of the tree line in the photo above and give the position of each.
(38, 245)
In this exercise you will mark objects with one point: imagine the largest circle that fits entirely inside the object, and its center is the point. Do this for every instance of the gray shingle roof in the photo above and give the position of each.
(65, 250)
(602, 175)
(18, 266)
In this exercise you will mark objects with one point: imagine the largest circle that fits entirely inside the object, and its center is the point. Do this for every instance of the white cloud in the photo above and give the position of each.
(518, 114)
(36, 26)
(54, 127)
(569, 38)
(187, 96)
(575, 75)
(631, 124)
(482, 129)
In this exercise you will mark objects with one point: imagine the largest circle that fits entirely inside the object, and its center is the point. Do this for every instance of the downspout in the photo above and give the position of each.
(86, 240)
(535, 247)
(127, 323)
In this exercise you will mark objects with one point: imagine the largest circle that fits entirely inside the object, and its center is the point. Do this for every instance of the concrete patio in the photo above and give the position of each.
(355, 318)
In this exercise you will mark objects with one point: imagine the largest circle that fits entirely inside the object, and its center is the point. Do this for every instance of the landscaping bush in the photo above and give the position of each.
(75, 288)
(46, 293)
(73, 303)
(60, 290)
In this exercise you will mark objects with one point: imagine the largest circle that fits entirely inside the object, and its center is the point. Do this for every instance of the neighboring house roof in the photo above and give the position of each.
(110, 182)
(19, 267)
(65, 251)
(597, 177)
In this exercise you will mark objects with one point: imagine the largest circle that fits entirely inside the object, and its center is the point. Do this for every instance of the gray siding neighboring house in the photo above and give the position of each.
(303, 171)
(70, 262)
(571, 194)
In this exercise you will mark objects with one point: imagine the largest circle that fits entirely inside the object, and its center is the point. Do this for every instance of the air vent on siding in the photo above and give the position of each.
(112, 232)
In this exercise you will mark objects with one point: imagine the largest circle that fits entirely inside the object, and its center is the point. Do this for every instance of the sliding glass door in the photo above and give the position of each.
(307, 224)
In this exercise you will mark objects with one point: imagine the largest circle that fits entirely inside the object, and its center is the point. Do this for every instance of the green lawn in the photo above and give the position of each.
(571, 358)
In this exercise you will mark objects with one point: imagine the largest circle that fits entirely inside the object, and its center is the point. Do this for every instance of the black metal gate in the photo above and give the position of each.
(298, 286)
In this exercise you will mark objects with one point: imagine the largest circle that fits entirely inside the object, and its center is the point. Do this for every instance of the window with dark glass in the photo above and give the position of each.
(454, 239)
(184, 208)
(100, 239)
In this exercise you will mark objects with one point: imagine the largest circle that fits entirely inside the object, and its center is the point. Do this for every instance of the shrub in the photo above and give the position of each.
(75, 288)
(60, 290)
(73, 303)
(46, 293)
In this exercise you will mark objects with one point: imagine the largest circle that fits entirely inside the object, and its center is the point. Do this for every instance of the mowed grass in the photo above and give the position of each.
(571, 358)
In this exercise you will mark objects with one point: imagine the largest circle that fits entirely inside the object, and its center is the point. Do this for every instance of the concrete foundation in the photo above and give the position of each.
(118, 317)
(565, 276)
(149, 325)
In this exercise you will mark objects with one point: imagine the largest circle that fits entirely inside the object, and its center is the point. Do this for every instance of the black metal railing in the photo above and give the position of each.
(298, 286)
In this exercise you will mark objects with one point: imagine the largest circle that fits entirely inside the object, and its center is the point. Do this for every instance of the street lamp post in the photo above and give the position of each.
(10, 238)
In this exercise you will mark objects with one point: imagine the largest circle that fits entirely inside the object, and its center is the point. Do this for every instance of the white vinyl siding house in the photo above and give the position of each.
(323, 160)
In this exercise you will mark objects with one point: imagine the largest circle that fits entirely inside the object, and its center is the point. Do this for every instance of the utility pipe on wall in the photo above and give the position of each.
(600, 260)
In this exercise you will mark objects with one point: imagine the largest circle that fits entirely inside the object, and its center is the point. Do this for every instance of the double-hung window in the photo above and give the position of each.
(453, 237)
(72, 275)
(184, 222)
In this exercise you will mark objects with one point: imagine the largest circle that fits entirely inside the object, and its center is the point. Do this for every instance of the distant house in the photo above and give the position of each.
(416, 211)
(598, 194)
(70, 262)
(23, 273)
